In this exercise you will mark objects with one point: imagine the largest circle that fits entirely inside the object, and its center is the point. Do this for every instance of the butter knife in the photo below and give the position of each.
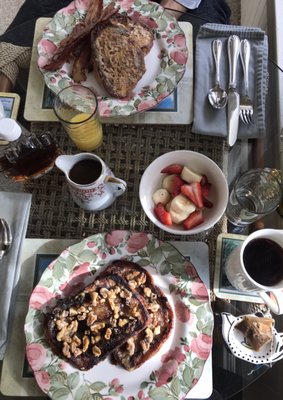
(233, 48)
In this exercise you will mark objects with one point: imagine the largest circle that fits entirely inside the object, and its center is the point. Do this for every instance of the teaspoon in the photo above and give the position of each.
(217, 96)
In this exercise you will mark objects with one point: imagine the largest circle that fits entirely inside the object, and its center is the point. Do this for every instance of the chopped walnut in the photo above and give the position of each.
(86, 343)
(131, 346)
(122, 322)
(91, 318)
(82, 309)
(73, 311)
(67, 331)
(147, 291)
(144, 345)
(133, 284)
(97, 326)
(157, 330)
(104, 292)
(96, 351)
(94, 297)
(66, 350)
(81, 317)
(108, 334)
(60, 324)
(149, 335)
(154, 307)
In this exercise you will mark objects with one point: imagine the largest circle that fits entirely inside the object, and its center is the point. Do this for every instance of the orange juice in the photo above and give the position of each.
(85, 131)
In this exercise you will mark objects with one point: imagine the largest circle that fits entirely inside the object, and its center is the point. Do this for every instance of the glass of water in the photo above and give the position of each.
(257, 192)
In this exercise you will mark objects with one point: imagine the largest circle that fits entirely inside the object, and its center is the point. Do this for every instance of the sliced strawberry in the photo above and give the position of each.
(177, 183)
(194, 219)
(162, 215)
(204, 180)
(172, 169)
(205, 186)
(207, 203)
(205, 189)
(194, 193)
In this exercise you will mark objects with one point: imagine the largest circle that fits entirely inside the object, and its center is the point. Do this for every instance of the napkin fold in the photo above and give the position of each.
(210, 121)
(15, 208)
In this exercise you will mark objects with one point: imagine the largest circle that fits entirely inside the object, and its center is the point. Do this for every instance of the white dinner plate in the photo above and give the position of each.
(179, 363)
(165, 63)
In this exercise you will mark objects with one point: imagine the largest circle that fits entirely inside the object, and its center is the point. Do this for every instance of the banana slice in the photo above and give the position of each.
(167, 182)
(161, 196)
(178, 217)
(181, 204)
(190, 176)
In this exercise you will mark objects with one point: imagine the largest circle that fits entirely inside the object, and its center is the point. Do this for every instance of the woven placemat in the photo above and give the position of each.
(128, 150)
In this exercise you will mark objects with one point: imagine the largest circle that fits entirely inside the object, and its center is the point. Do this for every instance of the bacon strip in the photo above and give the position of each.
(80, 33)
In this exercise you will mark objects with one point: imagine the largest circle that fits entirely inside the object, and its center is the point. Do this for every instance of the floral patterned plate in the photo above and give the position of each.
(165, 63)
(170, 373)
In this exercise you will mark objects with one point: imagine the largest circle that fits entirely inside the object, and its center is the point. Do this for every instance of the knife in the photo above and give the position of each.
(233, 48)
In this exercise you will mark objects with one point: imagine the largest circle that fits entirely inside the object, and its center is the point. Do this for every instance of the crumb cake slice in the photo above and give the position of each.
(86, 328)
(257, 330)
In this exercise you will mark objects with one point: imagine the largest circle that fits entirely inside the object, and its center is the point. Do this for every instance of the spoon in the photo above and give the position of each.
(217, 96)
(6, 239)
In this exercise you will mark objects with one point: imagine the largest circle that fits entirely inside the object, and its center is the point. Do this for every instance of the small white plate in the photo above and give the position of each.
(236, 341)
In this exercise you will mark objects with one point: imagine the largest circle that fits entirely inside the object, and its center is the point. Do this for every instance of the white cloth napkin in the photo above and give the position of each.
(15, 208)
(213, 122)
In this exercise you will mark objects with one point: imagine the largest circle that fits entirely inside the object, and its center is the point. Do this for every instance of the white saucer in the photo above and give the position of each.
(236, 341)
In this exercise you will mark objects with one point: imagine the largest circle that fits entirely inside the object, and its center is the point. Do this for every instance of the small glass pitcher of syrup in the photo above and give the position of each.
(30, 157)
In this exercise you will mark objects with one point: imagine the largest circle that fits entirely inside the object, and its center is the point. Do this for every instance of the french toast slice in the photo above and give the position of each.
(118, 55)
(144, 344)
(86, 328)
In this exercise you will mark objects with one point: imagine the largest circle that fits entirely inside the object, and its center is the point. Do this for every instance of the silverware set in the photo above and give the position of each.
(238, 107)
(5, 238)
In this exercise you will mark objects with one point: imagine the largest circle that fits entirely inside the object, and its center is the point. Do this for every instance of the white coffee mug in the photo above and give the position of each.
(92, 184)
(243, 270)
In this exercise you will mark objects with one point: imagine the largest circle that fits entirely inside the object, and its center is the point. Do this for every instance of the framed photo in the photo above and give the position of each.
(9, 105)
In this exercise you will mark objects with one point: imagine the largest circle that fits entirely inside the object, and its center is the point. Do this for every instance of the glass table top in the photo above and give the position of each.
(230, 374)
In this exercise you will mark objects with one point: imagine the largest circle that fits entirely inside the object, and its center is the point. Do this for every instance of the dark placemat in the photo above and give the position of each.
(128, 150)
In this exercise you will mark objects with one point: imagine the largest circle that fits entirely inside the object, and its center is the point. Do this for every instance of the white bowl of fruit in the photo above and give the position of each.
(183, 192)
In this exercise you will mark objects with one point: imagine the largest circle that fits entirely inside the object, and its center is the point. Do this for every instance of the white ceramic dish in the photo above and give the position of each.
(180, 360)
(270, 352)
(152, 178)
(165, 63)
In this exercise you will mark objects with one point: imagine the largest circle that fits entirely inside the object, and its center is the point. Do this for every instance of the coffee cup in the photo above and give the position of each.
(256, 266)
(92, 184)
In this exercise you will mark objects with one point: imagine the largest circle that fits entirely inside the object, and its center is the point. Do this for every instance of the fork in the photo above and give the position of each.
(246, 105)
(7, 238)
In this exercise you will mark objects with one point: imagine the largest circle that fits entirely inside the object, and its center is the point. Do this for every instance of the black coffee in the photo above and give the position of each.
(263, 260)
(85, 171)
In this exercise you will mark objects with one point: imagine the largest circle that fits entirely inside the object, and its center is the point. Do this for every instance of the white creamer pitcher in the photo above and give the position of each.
(92, 184)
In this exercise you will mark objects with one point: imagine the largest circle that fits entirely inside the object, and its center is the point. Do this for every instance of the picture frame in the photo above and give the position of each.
(9, 105)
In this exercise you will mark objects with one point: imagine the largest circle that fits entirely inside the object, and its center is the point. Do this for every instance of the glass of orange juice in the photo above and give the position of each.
(76, 107)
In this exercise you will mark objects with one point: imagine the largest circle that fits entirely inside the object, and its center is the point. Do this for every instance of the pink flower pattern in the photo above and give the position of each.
(43, 379)
(201, 346)
(40, 296)
(114, 238)
(136, 242)
(171, 361)
(36, 355)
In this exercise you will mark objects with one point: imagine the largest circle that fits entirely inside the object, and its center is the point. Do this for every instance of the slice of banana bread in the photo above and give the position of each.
(86, 328)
